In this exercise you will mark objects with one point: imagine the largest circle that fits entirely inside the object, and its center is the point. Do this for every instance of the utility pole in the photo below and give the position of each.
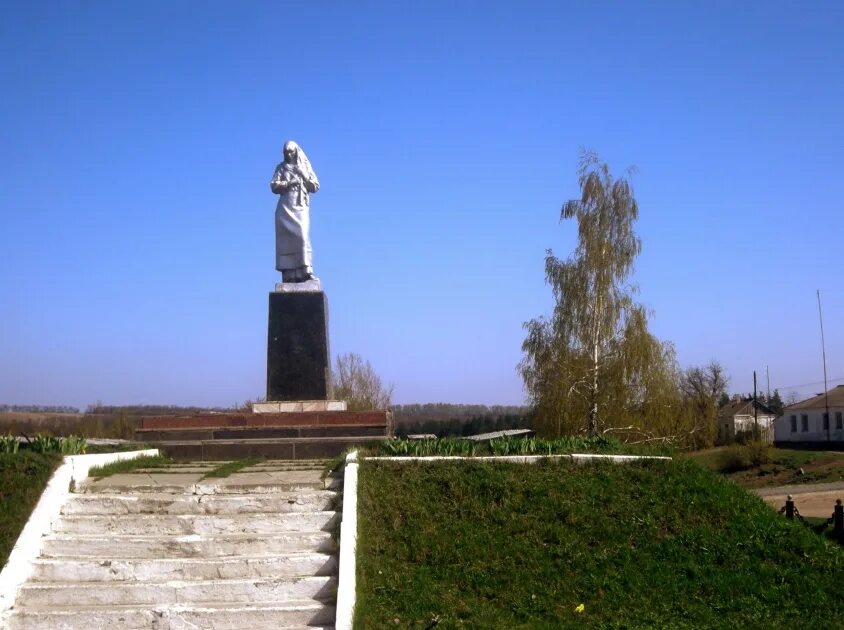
(823, 351)
(755, 414)
(768, 376)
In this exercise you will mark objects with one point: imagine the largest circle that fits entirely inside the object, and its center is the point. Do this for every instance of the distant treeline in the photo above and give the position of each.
(446, 411)
(151, 410)
(444, 420)
(38, 409)
(464, 426)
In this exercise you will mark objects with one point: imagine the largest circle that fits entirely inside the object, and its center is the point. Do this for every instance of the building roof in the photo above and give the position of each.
(835, 395)
(480, 437)
(744, 408)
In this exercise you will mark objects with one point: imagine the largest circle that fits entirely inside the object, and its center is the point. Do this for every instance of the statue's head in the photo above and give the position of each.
(291, 151)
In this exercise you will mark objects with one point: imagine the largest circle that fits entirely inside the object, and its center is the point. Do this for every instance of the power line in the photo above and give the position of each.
(783, 387)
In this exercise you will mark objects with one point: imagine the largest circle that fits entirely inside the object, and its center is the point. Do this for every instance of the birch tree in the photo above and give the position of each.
(594, 354)
(356, 382)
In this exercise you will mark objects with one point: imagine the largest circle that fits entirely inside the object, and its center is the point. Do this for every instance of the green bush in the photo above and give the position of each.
(743, 457)
(9, 444)
(758, 453)
(499, 446)
(71, 445)
(734, 459)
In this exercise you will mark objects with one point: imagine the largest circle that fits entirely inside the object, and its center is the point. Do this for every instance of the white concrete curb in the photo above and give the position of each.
(521, 459)
(47, 511)
(346, 581)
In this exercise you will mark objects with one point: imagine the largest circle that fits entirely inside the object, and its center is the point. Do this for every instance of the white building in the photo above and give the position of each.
(807, 420)
(739, 417)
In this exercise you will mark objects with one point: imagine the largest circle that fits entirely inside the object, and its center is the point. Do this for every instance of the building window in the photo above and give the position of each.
(804, 422)
(839, 422)
(826, 421)
(794, 424)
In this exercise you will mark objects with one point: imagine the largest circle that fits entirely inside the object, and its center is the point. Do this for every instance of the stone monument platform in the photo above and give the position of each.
(285, 435)
(298, 405)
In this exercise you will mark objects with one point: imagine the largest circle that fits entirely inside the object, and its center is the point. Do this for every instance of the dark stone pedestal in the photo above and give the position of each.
(298, 356)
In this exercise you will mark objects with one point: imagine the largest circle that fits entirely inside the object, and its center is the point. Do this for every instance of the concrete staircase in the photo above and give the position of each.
(167, 550)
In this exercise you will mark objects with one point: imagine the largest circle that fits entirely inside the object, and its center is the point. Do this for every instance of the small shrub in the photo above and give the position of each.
(744, 437)
(743, 457)
(758, 453)
(734, 459)
(505, 445)
(9, 444)
(44, 443)
(72, 445)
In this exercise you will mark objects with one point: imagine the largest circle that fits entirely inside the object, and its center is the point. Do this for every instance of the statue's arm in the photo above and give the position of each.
(278, 184)
(311, 183)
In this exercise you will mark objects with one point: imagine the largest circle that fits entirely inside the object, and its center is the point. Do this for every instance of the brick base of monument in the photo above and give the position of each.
(290, 435)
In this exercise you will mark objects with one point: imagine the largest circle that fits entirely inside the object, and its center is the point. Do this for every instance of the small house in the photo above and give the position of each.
(816, 420)
(740, 417)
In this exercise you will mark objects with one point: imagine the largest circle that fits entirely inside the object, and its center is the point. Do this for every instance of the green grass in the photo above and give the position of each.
(777, 467)
(118, 448)
(128, 465)
(44, 443)
(224, 470)
(657, 544)
(23, 477)
(509, 446)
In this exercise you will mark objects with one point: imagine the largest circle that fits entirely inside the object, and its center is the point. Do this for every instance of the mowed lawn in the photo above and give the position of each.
(661, 544)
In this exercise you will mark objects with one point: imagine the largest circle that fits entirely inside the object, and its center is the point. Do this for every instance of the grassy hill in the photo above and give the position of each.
(756, 467)
(23, 477)
(665, 545)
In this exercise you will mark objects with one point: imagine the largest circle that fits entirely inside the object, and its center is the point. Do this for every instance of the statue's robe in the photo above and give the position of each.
(292, 217)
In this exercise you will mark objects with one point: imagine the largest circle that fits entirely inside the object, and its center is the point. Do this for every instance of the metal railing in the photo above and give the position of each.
(836, 520)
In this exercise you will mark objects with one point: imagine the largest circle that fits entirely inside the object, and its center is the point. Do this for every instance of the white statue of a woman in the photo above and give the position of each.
(292, 181)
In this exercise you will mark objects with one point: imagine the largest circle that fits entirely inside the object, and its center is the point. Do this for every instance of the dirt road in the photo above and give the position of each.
(811, 499)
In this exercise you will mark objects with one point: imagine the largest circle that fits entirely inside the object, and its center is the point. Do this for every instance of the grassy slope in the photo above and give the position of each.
(23, 477)
(516, 546)
(782, 469)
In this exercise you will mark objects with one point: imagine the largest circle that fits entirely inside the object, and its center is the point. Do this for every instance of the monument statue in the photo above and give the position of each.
(293, 181)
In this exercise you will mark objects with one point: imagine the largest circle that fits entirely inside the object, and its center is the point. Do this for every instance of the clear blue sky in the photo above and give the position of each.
(138, 139)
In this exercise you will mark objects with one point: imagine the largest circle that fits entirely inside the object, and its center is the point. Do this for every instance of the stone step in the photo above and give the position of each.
(192, 592)
(183, 469)
(162, 503)
(209, 463)
(274, 616)
(136, 547)
(301, 464)
(240, 483)
(163, 569)
(201, 524)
